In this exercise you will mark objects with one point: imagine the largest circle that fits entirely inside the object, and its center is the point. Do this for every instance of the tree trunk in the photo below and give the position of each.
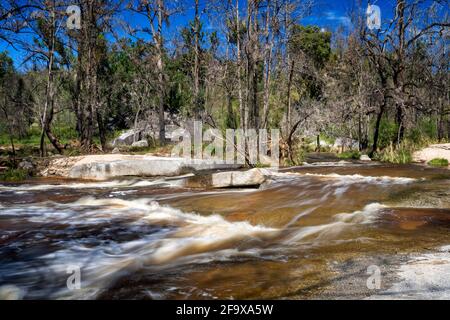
(197, 107)
(54, 141)
(399, 120)
(47, 115)
(377, 130)
(160, 67)
(399, 74)
(291, 134)
(10, 132)
(239, 72)
(441, 121)
(230, 120)
(288, 104)
(267, 68)
(318, 143)
(101, 129)
(253, 65)
(86, 90)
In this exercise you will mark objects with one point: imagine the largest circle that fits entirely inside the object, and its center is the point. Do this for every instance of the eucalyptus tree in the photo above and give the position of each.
(391, 50)
(157, 14)
(44, 21)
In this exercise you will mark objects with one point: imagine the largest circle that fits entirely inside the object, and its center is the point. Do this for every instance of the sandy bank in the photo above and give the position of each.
(433, 152)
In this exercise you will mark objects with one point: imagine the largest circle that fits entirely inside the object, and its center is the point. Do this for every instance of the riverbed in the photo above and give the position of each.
(313, 232)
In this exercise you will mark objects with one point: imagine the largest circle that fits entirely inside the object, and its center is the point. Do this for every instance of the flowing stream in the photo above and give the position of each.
(311, 232)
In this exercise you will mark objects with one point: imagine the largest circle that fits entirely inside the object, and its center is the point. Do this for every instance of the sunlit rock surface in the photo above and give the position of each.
(432, 152)
(253, 177)
(101, 167)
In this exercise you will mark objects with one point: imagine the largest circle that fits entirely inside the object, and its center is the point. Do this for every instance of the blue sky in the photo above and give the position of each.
(333, 13)
(329, 14)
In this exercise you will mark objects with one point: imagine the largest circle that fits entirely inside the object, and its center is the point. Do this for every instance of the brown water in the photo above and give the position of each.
(309, 233)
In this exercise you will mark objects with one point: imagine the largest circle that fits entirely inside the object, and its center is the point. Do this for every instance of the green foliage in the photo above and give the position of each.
(299, 154)
(313, 42)
(188, 34)
(30, 139)
(157, 150)
(398, 155)
(14, 175)
(350, 155)
(231, 120)
(74, 152)
(438, 162)
(178, 93)
(422, 134)
(261, 165)
(425, 131)
(327, 139)
(33, 136)
(6, 64)
(315, 45)
(232, 30)
(65, 133)
(388, 132)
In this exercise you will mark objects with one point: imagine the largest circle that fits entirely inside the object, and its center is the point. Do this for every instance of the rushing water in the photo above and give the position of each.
(309, 233)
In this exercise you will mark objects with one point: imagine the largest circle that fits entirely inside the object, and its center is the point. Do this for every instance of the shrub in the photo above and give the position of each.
(65, 133)
(438, 162)
(350, 155)
(400, 155)
(299, 153)
(388, 132)
(14, 175)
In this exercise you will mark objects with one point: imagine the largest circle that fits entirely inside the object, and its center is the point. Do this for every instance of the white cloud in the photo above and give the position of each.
(332, 16)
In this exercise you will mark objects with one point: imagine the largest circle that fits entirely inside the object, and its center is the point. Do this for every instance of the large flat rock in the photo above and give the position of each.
(423, 277)
(102, 167)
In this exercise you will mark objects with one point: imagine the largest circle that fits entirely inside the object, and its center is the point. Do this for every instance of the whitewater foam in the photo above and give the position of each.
(342, 180)
(191, 239)
(340, 222)
(178, 238)
(130, 183)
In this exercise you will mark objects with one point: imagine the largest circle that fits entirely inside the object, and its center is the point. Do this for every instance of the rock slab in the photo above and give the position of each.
(252, 177)
(103, 167)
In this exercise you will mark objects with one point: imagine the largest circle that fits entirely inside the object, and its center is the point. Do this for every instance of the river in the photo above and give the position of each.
(311, 233)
